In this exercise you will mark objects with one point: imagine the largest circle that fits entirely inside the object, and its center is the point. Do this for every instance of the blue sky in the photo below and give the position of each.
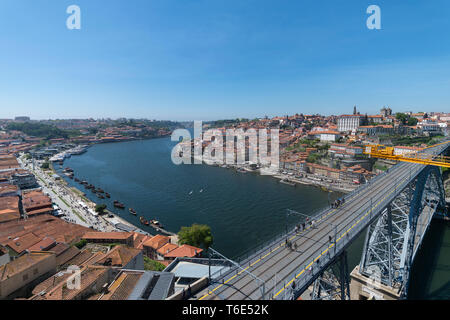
(211, 59)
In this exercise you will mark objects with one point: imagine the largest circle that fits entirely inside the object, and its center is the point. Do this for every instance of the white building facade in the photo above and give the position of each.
(348, 122)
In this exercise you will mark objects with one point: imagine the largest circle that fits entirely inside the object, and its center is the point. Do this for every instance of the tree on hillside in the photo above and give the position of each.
(412, 121)
(196, 235)
(100, 208)
(403, 118)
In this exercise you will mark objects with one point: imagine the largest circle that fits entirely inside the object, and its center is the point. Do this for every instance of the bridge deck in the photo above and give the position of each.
(279, 266)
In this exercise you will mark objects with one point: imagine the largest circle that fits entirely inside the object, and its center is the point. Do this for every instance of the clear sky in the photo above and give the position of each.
(215, 59)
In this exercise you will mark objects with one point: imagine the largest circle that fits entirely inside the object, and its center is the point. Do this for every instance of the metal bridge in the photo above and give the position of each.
(395, 208)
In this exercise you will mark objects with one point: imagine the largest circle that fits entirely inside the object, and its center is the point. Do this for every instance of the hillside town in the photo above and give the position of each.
(54, 245)
(327, 151)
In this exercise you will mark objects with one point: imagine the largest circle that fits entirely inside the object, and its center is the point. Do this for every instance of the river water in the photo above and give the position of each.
(243, 209)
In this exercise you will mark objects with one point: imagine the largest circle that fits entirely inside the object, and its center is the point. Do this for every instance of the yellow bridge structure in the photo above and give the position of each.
(384, 152)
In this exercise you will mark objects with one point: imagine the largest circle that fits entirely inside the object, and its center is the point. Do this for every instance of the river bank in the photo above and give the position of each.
(289, 179)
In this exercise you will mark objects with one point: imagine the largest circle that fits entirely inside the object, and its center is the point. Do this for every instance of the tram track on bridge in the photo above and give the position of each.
(281, 255)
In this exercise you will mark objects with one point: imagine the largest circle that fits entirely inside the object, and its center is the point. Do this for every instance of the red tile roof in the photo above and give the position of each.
(157, 241)
(184, 251)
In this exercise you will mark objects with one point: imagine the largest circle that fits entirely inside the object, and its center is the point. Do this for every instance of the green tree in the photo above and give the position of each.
(403, 118)
(45, 165)
(100, 208)
(80, 244)
(152, 265)
(197, 235)
(412, 121)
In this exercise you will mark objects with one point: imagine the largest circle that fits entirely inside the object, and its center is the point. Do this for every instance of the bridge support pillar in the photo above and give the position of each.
(366, 288)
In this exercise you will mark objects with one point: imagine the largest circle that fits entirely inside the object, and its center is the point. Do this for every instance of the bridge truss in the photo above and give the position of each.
(334, 282)
(393, 240)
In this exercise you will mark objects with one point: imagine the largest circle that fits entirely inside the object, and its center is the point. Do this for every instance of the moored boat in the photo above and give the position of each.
(156, 224)
(288, 182)
(144, 221)
(117, 204)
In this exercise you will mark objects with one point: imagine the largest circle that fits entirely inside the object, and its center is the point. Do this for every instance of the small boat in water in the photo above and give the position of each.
(192, 191)
(144, 221)
(132, 211)
(119, 205)
(288, 182)
(156, 224)
(201, 190)
(107, 195)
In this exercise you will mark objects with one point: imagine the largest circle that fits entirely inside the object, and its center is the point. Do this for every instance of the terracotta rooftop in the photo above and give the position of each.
(184, 251)
(107, 235)
(65, 255)
(36, 202)
(139, 239)
(157, 241)
(89, 275)
(42, 226)
(84, 258)
(8, 188)
(165, 249)
(43, 245)
(22, 263)
(119, 256)
(9, 208)
(122, 286)
(22, 243)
